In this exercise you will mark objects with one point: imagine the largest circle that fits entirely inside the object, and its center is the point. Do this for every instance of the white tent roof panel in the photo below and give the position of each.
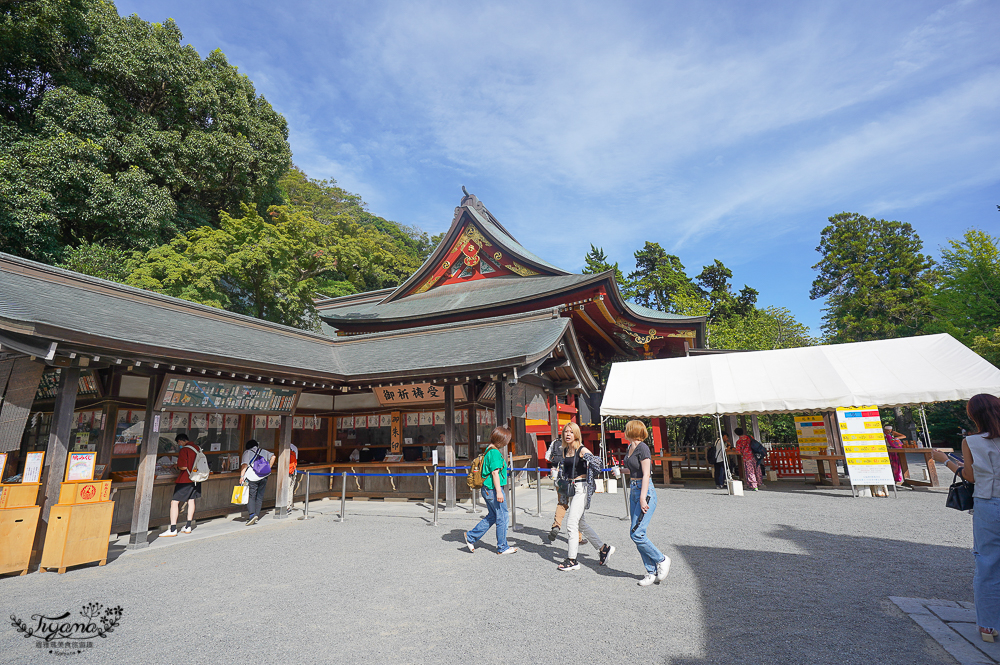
(892, 372)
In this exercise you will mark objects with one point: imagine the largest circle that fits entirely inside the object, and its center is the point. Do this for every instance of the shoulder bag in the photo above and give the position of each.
(960, 494)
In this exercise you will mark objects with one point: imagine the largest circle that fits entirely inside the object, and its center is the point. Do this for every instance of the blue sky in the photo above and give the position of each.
(726, 130)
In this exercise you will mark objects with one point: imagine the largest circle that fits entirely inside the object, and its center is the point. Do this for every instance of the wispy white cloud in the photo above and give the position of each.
(717, 129)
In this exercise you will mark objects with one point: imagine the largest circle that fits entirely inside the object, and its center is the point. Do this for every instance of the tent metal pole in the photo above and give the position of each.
(923, 424)
(725, 456)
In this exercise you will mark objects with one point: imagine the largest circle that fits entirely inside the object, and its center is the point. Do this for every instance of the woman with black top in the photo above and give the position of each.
(642, 503)
(579, 466)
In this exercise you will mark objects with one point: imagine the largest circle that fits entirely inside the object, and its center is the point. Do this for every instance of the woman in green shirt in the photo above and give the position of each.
(494, 478)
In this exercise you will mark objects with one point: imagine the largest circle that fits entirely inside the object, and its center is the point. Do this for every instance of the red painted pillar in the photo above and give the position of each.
(659, 427)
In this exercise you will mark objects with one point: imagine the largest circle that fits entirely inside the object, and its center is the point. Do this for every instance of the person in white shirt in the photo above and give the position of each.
(256, 481)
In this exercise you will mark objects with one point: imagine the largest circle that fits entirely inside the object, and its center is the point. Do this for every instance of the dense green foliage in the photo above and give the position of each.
(405, 248)
(967, 300)
(876, 282)
(125, 155)
(113, 132)
(267, 268)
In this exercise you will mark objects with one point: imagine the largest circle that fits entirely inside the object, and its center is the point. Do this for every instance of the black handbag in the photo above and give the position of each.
(567, 486)
(960, 493)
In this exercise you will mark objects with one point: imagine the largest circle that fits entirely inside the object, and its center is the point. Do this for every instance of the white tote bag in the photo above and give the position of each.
(736, 487)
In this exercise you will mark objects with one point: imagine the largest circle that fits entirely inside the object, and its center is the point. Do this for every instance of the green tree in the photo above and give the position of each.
(659, 280)
(597, 262)
(113, 132)
(876, 282)
(760, 330)
(713, 283)
(111, 263)
(968, 294)
(988, 346)
(266, 268)
(325, 201)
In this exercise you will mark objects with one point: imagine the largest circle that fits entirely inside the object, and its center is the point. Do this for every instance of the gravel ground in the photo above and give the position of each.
(791, 574)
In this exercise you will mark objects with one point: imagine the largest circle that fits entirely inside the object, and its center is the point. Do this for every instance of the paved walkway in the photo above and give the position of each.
(792, 574)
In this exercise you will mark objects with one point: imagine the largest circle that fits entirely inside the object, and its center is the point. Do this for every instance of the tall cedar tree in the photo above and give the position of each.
(597, 262)
(876, 282)
(659, 281)
(112, 131)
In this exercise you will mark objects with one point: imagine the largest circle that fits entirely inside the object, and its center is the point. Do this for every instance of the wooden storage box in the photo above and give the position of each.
(77, 534)
(84, 491)
(17, 533)
(19, 495)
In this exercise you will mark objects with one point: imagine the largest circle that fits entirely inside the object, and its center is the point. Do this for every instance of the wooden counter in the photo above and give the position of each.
(217, 491)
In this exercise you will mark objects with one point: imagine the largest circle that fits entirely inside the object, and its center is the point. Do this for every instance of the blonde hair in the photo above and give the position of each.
(576, 431)
(635, 430)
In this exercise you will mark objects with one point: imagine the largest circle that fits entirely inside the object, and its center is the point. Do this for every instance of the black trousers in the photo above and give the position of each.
(720, 474)
(257, 488)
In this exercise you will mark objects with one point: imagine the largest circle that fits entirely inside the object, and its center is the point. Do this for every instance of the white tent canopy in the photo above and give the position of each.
(891, 372)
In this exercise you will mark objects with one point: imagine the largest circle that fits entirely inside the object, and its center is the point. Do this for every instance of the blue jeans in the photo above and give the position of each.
(986, 549)
(640, 522)
(496, 513)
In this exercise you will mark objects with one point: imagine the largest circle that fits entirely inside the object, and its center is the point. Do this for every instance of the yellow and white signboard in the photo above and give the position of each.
(864, 445)
(811, 433)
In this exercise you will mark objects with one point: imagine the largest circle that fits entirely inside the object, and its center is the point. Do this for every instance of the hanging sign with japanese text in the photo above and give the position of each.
(864, 445)
(396, 437)
(415, 393)
(193, 394)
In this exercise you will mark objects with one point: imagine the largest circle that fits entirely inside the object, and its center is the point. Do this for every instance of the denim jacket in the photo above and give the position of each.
(594, 467)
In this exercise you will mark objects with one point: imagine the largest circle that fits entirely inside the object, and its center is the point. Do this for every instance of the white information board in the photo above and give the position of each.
(864, 445)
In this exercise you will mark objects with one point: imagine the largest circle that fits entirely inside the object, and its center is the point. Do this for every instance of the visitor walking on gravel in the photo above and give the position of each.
(642, 503)
(576, 478)
(494, 474)
(981, 456)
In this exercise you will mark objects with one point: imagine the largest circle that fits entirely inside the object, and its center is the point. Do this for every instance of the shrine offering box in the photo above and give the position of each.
(84, 491)
(18, 495)
(77, 534)
(17, 533)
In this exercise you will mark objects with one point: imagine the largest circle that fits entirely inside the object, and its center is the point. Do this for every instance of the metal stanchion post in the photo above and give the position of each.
(538, 489)
(435, 522)
(510, 497)
(305, 510)
(343, 496)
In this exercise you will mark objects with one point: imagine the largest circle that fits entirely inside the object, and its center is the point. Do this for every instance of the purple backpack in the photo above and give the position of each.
(260, 465)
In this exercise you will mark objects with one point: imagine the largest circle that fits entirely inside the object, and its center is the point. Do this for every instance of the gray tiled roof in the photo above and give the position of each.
(75, 309)
(513, 340)
(476, 294)
(641, 310)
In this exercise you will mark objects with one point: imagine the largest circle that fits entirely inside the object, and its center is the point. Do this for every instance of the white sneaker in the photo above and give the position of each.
(471, 546)
(662, 569)
(647, 580)
(169, 533)
(186, 529)
(509, 550)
